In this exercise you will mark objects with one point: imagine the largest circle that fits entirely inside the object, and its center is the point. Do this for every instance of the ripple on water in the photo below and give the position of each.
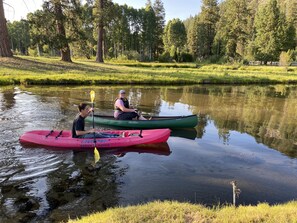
(36, 163)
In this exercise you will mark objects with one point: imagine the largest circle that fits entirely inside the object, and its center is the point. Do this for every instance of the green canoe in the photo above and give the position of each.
(155, 122)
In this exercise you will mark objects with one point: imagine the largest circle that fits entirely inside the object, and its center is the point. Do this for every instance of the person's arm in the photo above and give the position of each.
(79, 133)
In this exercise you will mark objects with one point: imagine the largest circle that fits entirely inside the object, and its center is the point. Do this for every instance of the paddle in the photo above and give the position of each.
(96, 152)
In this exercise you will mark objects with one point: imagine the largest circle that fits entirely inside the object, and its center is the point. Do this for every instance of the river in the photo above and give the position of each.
(245, 133)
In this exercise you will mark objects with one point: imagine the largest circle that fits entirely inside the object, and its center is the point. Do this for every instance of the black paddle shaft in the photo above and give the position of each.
(93, 123)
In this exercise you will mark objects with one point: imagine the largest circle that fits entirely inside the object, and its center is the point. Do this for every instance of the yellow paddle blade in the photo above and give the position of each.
(92, 94)
(96, 155)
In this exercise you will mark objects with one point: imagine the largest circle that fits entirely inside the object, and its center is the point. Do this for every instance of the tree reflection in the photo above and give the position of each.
(266, 113)
(82, 188)
(7, 100)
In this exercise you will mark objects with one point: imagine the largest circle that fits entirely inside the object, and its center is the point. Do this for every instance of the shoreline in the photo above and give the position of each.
(173, 211)
(27, 70)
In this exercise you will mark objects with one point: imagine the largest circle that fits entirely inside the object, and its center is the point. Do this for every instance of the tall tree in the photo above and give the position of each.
(291, 15)
(60, 26)
(19, 36)
(271, 32)
(55, 22)
(100, 25)
(123, 32)
(198, 38)
(202, 33)
(209, 17)
(5, 50)
(80, 27)
(175, 37)
(42, 31)
(232, 28)
(148, 31)
(160, 24)
(103, 13)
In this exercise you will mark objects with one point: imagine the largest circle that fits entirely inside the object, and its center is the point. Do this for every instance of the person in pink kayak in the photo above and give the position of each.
(78, 127)
(123, 110)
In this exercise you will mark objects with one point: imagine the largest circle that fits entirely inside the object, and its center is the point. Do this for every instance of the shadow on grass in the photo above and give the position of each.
(59, 66)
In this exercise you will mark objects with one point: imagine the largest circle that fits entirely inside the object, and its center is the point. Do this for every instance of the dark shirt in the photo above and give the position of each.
(78, 125)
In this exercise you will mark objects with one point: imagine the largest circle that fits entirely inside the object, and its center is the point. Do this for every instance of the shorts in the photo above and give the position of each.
(127, 116)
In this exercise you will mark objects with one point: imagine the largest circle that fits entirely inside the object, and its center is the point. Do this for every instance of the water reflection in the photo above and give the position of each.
(268, 114)
(82, 188)
(158, 149)
(7, 98)
(247, 133)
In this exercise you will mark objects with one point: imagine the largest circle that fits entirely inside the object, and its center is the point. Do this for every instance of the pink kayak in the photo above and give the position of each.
(64, 140)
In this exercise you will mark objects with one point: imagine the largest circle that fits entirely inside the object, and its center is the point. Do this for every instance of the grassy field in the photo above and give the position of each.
(175, 212)
(52, 71)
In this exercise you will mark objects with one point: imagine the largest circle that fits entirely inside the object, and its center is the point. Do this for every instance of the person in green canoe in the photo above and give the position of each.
(122, 109)
(78, 127)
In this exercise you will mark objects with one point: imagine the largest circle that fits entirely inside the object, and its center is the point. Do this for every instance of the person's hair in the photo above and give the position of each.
(82, 106)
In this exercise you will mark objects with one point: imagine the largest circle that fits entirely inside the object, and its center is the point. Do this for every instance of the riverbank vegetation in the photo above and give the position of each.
(52, 71)
(185, 212)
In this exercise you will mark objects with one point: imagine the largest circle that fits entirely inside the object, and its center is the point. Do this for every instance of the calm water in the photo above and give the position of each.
(245, 133)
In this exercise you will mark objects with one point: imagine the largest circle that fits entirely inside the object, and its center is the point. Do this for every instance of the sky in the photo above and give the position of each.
(182, 9)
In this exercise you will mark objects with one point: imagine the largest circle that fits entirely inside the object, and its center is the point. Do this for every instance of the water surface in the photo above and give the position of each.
(245, 133)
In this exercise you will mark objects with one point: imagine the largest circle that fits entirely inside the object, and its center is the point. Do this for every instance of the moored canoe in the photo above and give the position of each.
(172, 122)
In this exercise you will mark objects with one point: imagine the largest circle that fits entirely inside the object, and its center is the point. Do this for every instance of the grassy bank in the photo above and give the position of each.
(184, 212)
(47, 71)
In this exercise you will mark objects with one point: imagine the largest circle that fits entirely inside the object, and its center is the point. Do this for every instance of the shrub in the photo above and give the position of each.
(132, 55)
(165, 57)
(32, 52)
(186, 57)
(285, 59)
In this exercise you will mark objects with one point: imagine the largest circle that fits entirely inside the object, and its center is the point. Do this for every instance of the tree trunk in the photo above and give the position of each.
(5, 50)
(99, 56)
(65, 50)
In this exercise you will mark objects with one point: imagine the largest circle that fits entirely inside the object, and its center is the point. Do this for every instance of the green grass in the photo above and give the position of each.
(172, 212)
(52, 71)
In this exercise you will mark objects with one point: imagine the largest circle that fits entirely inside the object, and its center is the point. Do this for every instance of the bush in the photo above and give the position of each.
(33, 52)
(132, 55)
(165, 57)
(186, 57)
(216, 59)
(285, 59)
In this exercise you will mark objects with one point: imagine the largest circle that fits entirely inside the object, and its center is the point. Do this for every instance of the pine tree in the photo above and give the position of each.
(19, 36)
(175, 37)
(61, 32)
(232, 29)
(5, 50)
(103, 13)
(148, 31)
(208, 19)
(160, 24)
(271, 32)
(100, 25)
(291, 15)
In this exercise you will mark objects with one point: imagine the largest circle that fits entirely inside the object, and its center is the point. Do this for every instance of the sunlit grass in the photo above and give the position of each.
(184, 212)
(52, 71)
